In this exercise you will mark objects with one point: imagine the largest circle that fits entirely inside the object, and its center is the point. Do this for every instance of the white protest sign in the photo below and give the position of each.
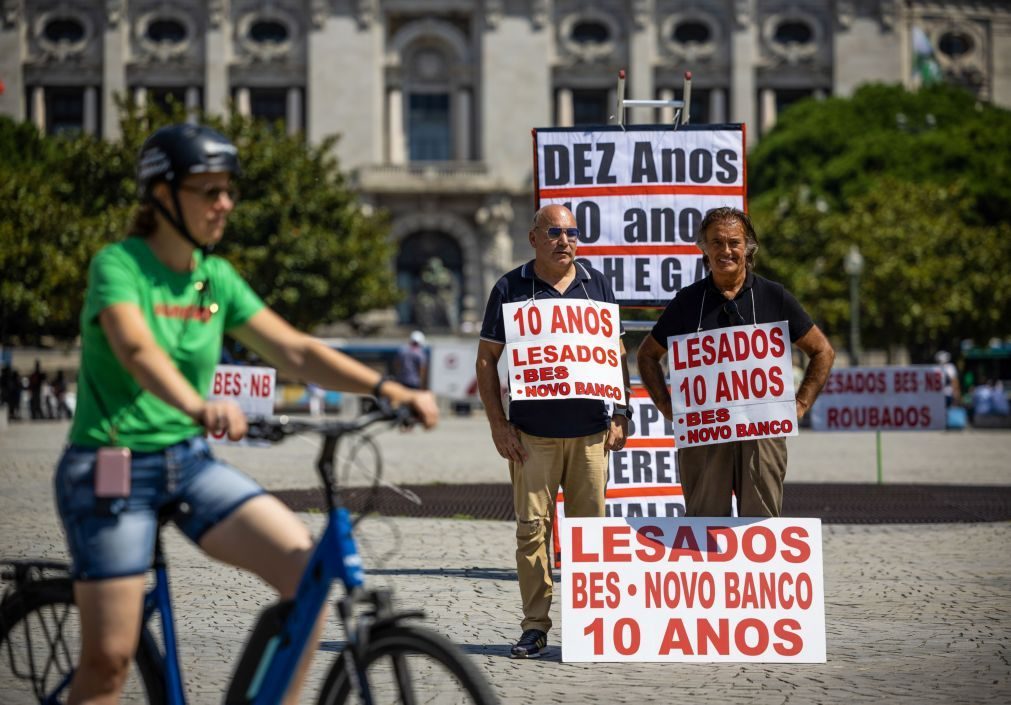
(732, 384)
(693, 590)
(639, 194)
(907, 398)
(252, 388)
(563, 349)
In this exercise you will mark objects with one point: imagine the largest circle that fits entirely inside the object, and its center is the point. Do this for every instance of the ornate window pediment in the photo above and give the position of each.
(691, 36)
(266, 35)
(164, 34)
(63, 33)
(792, 36)
(589, 35)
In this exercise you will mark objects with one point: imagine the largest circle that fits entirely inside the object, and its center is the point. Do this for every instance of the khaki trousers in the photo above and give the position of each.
(753, 470)
(579, 466)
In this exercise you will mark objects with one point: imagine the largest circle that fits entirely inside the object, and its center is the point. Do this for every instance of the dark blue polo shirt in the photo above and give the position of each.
(759, 300)
(548, 418)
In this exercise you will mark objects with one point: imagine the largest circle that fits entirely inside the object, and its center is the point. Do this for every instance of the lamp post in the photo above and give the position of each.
(853, 265)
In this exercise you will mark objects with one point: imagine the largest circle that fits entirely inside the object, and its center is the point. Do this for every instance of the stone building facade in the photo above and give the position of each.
(434, 99)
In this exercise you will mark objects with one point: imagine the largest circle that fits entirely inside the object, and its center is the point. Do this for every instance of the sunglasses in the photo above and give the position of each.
(212, 194)
(733, 313)
(555, 232)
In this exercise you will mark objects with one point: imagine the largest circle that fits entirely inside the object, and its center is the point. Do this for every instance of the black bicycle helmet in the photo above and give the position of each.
(172, 153)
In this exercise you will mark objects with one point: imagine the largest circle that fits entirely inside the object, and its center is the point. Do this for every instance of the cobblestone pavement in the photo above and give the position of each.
(914, 614)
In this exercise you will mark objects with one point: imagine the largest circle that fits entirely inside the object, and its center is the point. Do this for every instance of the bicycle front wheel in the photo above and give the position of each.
(409, 664)
(40, 637)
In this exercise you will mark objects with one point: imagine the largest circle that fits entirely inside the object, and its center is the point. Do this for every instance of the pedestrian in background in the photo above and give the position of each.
(410, 366)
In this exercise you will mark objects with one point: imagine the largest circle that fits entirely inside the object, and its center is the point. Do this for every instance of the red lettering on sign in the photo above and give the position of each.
(588, 590)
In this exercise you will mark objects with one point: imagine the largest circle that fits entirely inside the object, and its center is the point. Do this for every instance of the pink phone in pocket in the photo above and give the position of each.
(112, 472)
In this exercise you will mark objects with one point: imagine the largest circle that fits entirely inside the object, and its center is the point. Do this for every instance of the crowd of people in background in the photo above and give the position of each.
(46, 398)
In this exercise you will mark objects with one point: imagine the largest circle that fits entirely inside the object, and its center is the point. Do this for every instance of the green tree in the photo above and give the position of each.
(920, 182)
(929, 278)
(839, 147)
(297, 234)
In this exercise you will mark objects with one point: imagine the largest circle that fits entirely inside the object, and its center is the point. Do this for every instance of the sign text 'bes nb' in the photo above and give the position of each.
(732, 384)
(564, 349)
(700, 589)
(252, 388)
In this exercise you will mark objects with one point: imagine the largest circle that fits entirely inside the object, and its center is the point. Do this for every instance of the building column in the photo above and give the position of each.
(39, 108)
(293, 117)
(90, 125)
(717, 105)
(666, 113)
(242, 103)
(768, 109)
(463, 125)
(395, 129)
(216, 86)
(114, 43)
(563, 107)
(742, 66)
(192, 103)
(140, 97)
(641, 52)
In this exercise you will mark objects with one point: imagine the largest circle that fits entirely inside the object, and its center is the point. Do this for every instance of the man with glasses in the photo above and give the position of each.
(548, 443)
(733, 295)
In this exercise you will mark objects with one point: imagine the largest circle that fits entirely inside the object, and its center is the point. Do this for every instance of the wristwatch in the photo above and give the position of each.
(621, 410)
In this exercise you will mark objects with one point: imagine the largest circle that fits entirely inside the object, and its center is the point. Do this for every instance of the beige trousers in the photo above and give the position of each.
(579, 466)
(753, 470)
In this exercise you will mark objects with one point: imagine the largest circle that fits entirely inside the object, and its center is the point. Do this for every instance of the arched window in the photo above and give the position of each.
(691, 32)
(64, 29)
(430, 274)
(165, 30)
(590, 32)
(793, 32)
(955, 44)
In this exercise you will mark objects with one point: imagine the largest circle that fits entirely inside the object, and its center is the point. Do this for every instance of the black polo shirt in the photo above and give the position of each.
(548, 418)
(772, 303)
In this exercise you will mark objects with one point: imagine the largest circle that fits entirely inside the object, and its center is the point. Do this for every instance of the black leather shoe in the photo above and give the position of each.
(531, 644)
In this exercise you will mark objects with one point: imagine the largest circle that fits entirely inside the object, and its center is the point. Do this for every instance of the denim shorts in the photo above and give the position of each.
(110, 538)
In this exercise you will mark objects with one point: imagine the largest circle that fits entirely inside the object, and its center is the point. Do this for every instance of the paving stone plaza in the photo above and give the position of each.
(914, 613)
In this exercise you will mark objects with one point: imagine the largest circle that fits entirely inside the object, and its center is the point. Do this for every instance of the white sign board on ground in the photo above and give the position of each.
(732, 384)
(564, 349)
(909, 398)
(252, 388)
(639, 194)
(693, 590)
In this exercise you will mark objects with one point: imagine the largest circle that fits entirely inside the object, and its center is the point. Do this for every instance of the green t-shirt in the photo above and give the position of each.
(188, 313)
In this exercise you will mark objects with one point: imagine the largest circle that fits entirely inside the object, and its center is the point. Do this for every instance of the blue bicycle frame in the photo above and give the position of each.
(335, 557)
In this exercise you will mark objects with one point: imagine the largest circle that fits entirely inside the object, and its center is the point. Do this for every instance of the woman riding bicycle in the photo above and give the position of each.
(155, 311)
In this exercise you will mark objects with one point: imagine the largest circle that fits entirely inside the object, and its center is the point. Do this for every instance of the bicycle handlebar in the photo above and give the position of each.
(276, 429)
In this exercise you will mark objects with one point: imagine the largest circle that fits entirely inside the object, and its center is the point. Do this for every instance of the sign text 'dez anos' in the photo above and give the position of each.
(700, 589)
(639, 195)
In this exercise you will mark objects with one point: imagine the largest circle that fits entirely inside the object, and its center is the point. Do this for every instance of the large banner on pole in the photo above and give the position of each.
(701, 589)
(639, 194)
(909, 398)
